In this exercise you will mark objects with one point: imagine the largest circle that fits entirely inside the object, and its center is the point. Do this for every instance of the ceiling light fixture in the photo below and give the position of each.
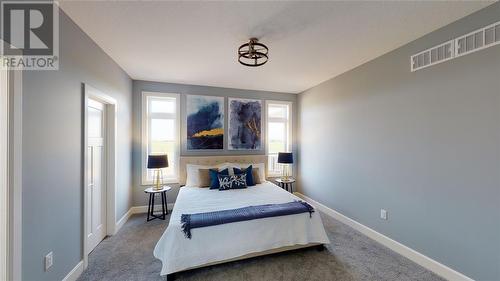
(253, 53)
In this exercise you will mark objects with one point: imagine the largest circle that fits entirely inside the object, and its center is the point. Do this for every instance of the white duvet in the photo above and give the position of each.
(227, 241)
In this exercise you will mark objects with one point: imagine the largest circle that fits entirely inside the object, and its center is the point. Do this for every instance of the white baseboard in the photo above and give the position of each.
(430, 264)
(137, 210)
(123, 220)
(75, 272)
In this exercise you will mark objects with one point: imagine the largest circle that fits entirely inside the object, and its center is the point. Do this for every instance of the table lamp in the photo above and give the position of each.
(285, 158)
(158, 162)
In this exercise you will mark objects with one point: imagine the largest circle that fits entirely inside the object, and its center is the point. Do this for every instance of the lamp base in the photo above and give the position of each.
(285, 175)
(158, 184)
(286, 178)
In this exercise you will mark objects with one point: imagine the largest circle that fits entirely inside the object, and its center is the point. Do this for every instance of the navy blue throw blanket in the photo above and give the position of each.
(190, 221)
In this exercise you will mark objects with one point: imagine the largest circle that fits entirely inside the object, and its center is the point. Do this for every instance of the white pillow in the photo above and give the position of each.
(193, 174)
(229, 166)
(261, 166)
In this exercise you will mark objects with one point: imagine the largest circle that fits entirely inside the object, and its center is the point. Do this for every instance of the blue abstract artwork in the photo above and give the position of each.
(245, 127)
(205, 122)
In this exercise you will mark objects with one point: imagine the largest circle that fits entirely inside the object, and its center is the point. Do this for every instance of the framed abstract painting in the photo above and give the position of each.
(205, 122)
(245, 124)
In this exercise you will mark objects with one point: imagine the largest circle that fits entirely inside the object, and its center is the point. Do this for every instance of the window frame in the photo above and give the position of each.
(145, 135)
(289, 133)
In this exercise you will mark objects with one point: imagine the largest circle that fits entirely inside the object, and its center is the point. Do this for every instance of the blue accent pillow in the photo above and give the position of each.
(214, 177)
(248, 172)
(227, 182)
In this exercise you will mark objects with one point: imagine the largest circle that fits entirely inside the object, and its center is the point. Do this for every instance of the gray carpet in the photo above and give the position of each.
(351, 256)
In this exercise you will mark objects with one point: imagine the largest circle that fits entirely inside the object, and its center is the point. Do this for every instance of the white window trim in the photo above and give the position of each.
(289, 129)
(144, 139)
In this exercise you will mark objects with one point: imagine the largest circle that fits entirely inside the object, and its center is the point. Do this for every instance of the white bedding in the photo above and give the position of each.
(227, 241)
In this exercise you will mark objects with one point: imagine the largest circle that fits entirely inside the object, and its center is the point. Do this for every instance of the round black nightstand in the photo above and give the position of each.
(286, 184)
(163, 193)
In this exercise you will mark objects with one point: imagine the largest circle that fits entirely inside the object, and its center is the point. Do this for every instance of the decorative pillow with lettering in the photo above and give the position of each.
(227, 182)
(246, 171)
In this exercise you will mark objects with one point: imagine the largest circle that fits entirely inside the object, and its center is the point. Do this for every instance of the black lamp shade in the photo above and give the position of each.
(285, 158)
(157, 161)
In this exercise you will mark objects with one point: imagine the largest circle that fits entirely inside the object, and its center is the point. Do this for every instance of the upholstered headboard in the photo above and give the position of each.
(215, 160)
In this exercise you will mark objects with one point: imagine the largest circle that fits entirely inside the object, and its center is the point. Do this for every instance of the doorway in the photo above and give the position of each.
(96, 172)
(99, 139)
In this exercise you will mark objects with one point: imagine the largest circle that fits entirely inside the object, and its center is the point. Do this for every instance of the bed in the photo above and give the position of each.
(233, 241)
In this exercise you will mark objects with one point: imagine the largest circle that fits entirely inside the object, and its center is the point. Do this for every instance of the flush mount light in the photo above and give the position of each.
(253, 53)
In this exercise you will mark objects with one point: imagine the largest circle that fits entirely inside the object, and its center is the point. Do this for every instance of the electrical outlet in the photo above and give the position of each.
(383, 214)
(49, 260)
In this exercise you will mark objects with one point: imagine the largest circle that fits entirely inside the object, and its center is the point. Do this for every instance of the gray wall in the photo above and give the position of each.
(423, 145)
(52, 151)
(140, 86)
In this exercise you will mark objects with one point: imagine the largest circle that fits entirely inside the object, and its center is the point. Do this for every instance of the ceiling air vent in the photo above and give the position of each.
(477, 40)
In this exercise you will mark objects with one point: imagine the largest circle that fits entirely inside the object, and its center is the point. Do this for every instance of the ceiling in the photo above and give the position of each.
(309, 42)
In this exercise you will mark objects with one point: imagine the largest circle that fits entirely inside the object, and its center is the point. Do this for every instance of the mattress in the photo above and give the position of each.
(213, 244)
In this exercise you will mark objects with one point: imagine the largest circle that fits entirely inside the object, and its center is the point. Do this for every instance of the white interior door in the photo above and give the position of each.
(96, 163)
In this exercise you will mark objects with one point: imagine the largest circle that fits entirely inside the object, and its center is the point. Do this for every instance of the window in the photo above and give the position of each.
(279, 133)
(160, 133)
